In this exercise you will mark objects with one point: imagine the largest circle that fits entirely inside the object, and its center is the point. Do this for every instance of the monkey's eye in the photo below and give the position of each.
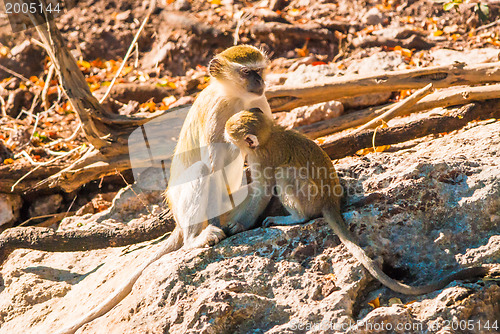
(245, 71)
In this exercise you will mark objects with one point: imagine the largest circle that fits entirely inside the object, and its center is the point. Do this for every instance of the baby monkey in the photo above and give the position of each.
(307, 185)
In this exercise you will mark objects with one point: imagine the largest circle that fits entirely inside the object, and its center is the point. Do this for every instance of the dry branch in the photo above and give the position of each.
(442, 98)
(350, 144)
(124, 92)
(46, 239)
(283, 98)
(107, 132)
(408, 102)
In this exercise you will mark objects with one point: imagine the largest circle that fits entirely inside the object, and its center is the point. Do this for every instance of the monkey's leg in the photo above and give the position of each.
(210, 236)
(189, 200)
(244, 216)
(294, 195)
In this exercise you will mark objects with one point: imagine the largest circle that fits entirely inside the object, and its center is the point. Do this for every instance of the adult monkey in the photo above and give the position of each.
(275, 155)
(236, 83)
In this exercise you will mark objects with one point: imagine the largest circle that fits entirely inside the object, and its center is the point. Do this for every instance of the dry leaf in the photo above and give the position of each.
(150, 105)
(304, 51)
(4, 51)
(374, 303)
(83, 65)
(294, 12)
(330, 277)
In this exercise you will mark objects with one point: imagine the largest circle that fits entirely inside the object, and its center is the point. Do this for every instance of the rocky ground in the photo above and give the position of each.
(423, 208)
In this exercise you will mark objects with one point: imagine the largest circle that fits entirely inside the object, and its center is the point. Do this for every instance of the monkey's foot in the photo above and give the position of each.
(282, 221)
(210, 236)
(235, 227)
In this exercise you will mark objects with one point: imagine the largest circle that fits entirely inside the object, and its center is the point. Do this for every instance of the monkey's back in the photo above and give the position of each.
(305, 169)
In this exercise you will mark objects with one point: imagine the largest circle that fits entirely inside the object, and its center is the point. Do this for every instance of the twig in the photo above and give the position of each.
(489, 25)
(152, 6)
(50, 74)
(404, 104)
(3, 108)
(136, 194)
(34, 127)
(70, 138)
(57, 214)
(243, 16)
(20, 76)
(40, 165)
(27, 156)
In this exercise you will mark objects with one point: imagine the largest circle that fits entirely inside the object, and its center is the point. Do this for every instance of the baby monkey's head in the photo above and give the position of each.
(248, 129)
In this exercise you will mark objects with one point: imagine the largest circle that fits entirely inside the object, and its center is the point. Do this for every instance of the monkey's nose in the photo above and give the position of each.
(256, 85)
(257, 88)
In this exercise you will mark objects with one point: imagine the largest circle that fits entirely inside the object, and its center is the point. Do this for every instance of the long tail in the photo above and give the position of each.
(173, 243)
(338, 225)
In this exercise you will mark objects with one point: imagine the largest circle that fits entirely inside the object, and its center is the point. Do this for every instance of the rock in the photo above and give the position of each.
(130, 108)
(306, 73)
(182, 101)
(310, 114)
(99, 203)
(424, 211)
(45, 205)
(378, 62)
(182, 5)
(373, 17)
(9, 208)
(442, 57)
(19, 137)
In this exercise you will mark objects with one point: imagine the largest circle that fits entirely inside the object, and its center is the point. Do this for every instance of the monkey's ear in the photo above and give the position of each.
(215, 67)
(256, 110)
(251, 140)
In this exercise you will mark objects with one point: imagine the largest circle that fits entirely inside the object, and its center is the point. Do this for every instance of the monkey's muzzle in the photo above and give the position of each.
(255, 83)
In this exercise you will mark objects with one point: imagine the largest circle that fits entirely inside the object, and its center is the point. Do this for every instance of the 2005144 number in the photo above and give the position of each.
(32, 8)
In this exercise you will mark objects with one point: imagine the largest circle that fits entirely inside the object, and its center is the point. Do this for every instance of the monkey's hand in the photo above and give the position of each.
(268, 222)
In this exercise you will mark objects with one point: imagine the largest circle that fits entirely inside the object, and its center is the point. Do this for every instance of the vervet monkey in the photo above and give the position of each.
(307, 186)
(236, 83)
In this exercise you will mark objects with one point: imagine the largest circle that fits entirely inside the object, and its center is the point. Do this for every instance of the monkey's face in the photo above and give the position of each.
(248, 130)
(241, 69)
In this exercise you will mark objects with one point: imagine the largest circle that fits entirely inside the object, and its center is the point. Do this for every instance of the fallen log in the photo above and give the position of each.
(284, 98)
(48, 240)
(350, 144)
(442, 98)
